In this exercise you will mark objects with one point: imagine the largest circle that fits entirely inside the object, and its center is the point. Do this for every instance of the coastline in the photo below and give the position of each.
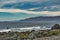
(24, 29)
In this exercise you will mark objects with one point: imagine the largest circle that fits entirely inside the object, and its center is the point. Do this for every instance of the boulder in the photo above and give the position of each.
(56, 26)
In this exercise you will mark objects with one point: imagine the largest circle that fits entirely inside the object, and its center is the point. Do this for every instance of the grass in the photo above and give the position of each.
(23, 34)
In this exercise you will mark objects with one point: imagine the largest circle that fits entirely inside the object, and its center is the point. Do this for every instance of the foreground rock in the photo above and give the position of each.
(49, 38)
(33, 35)
(56, 26)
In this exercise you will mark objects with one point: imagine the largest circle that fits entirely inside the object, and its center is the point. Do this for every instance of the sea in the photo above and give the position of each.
(47, 24)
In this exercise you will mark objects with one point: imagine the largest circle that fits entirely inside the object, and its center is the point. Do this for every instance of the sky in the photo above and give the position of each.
(22, 9)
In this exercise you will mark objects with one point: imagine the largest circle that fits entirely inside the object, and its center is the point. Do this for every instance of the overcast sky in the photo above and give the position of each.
(28, 8)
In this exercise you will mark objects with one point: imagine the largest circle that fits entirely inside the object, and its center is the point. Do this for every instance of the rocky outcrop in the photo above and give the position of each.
(56, 26)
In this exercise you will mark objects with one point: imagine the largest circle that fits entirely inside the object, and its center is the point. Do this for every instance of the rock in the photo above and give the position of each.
(56, 26)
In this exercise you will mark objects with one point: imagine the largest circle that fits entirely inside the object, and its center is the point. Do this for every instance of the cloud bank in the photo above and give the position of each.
(41, 5)
(49, 13)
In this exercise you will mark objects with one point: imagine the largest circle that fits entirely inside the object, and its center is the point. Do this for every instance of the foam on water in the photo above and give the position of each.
(24, 29)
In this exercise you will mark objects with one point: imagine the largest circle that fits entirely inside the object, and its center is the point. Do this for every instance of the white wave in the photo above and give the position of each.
(5, 30)
(24, 29)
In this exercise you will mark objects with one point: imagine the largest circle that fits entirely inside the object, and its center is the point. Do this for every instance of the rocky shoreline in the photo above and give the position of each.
(53, 34)
(33, 35)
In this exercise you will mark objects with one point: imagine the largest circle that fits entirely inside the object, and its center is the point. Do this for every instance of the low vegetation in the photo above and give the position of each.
(38, 34)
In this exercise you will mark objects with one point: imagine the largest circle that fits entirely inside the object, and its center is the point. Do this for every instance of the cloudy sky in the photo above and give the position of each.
(22, 9)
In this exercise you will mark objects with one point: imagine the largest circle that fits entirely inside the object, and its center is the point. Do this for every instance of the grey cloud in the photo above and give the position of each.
(27, 4)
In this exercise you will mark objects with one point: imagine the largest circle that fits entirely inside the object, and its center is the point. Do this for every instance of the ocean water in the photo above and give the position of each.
(47, 24)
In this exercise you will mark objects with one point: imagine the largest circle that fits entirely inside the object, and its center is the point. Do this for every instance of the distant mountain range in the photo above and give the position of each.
(8, 16)
(43, 18)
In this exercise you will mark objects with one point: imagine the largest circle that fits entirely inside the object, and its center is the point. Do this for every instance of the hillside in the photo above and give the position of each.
(43, 18)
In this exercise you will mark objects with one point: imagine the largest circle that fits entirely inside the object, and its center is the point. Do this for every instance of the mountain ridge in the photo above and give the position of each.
(43, 18)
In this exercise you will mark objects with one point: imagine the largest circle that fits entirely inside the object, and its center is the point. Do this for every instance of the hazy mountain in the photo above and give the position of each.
(43, 18)
(9, 16)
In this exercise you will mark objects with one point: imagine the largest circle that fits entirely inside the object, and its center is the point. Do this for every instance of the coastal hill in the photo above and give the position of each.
(43, 18)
